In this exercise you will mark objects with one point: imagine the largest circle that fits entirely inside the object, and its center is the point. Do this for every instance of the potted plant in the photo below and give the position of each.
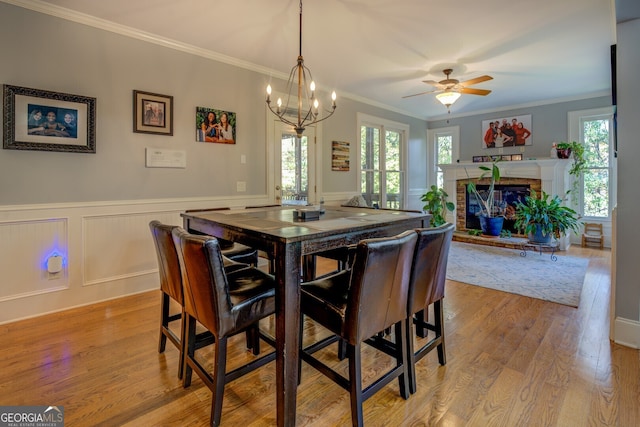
(542, 218)
(490, 215)
(436, 203)
(565, 150)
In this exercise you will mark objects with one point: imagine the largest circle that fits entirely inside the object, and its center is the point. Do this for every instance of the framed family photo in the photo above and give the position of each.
(152, 113)
(213, 125)
(514, 131)
(42, 120)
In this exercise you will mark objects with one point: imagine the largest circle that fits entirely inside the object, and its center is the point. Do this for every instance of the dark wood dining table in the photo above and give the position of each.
(287, 240)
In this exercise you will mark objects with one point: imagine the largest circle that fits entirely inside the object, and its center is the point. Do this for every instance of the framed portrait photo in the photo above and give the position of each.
(152, 113)
(512, 131)
(42, 120)
(217, 126)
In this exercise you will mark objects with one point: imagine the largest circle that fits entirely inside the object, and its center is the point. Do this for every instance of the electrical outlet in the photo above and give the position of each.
(241, 186)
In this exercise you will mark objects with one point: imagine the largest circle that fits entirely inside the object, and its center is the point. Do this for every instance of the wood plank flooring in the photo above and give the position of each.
(511, 361)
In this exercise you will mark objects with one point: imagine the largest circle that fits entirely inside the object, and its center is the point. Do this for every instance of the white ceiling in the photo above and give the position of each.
(380, 50)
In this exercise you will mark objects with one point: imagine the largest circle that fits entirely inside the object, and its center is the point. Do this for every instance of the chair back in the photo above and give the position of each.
(168, 264)
(379, 285)
(429, 270)
(206, 295)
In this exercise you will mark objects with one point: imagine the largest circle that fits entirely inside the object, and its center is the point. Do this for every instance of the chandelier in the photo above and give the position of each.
(304, 105)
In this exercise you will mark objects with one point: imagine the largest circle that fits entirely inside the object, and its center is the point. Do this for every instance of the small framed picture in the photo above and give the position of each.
(516, 157)
(478, 159)
(152, 113)
(506, 158)
(48, 121)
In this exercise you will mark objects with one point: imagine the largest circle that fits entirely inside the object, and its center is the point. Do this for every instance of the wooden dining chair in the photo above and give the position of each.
(225, 304)
(171, 287)
(356, 305)
(428, 278)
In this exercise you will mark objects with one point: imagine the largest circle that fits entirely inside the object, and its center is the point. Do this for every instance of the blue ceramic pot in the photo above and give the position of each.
(540, 238)
(491, 226)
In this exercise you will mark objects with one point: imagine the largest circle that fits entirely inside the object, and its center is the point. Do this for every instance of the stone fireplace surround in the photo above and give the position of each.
(548, 175)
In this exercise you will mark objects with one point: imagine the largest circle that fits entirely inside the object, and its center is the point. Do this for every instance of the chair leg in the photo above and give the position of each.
(355, 383)
(421, 331)
(411, 359)
(253, 339)
(439, 326)
(219, 368)
(183, 343)
(402, 358)
(342, 349)
(190, 337)
(164, 322)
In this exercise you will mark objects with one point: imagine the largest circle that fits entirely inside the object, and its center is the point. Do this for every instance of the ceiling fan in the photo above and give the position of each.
(454, 88)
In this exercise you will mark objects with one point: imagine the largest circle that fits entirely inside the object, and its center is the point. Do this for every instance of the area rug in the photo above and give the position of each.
(534, 275)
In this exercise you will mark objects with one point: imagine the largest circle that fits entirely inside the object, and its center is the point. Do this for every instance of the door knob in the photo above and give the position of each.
(278, 187)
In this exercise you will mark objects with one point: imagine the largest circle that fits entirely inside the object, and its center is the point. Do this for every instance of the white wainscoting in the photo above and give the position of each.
(106, 246)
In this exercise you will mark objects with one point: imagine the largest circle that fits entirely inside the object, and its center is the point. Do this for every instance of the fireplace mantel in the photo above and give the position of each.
(552, 173)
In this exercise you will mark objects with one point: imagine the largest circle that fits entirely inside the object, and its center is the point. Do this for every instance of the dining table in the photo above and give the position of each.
(288, 235)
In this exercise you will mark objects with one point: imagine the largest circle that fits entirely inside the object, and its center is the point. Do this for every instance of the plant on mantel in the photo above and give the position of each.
(574, 150)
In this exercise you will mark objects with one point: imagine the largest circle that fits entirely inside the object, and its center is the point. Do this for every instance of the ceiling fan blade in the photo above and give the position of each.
(475, 81)
(472, 91)
(434, 83)
(421, 93)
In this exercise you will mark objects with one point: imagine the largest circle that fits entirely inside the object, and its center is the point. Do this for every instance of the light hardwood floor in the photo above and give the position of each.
(512, 361)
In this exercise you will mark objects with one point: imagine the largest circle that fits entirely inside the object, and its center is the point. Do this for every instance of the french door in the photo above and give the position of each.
(382, 175)
(294, 165)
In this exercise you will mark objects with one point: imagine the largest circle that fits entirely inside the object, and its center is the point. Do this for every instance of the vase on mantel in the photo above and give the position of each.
(563, 153)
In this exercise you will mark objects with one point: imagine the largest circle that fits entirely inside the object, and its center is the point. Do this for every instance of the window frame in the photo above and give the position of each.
(576, 119)
(432, 150)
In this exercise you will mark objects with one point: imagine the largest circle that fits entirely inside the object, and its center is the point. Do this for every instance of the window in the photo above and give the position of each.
(594, 130)
(382, 150)
(444, 143)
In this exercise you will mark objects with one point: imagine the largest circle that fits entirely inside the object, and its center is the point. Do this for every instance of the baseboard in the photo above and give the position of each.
(627, 332)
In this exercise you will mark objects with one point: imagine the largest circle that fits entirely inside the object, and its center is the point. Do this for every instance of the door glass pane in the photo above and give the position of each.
(295, 174)
(370, 164)
(444, 155)
(394, 195)
(393, 177)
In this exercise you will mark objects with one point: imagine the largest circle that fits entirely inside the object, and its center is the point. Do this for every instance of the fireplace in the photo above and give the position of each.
(505, 198)
(507, 193)
(548, 175)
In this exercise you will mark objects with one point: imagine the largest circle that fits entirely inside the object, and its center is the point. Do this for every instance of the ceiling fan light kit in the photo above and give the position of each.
(448, 98)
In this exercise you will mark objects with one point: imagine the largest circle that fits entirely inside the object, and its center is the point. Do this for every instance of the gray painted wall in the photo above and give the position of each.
(57, 55)
(628, 236)
(548, 124)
